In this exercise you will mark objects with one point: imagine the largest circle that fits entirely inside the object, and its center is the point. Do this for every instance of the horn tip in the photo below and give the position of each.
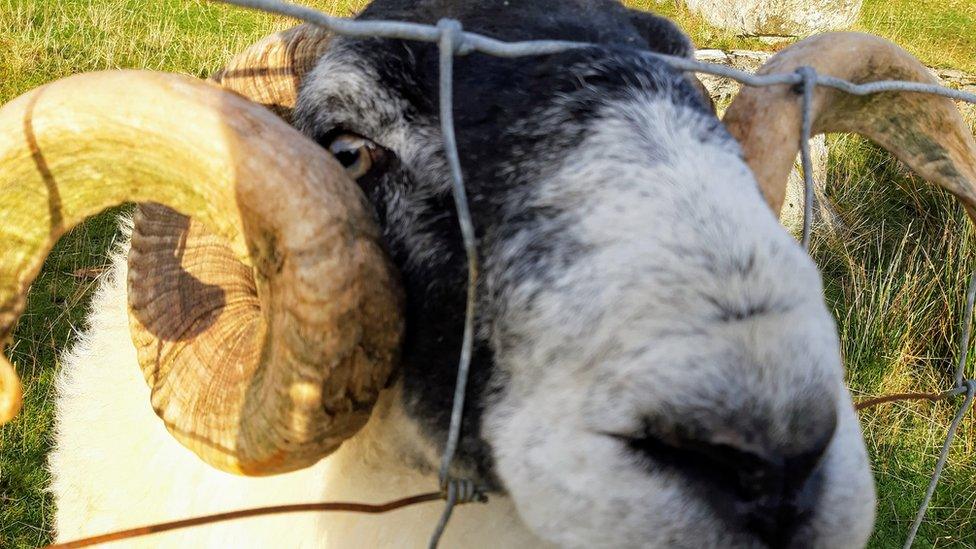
(11, 392)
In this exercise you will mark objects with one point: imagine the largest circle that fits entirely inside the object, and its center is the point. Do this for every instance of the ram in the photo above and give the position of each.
(654, 364)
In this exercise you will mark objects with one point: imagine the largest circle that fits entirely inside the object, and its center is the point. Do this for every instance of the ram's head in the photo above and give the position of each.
(654, 362)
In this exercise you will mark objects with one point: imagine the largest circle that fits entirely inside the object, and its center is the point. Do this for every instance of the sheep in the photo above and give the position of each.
(654, 363)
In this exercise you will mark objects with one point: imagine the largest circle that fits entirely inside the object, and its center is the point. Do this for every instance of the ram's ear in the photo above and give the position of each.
(661, 34)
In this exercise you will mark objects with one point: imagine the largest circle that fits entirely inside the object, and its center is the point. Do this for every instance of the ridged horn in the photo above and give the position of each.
(270, 72)
(924, 131)
(285, 369)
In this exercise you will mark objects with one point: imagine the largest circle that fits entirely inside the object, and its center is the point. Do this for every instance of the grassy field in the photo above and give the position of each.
(895, 280)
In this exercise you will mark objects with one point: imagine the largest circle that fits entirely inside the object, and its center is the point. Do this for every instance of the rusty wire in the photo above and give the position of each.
(452, 42)
(347, 507)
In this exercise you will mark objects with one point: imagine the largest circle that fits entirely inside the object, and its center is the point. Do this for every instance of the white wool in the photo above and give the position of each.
(115, 466)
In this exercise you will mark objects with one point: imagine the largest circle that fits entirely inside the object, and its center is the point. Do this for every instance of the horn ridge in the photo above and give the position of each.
(275, 359)
(270, 71)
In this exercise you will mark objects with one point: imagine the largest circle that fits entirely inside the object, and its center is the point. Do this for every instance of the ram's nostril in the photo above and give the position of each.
(801, 466)
(745, 475)
(763, 489)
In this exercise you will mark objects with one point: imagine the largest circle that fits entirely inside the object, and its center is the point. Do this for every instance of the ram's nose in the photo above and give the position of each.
(772, 496)
(765, 489)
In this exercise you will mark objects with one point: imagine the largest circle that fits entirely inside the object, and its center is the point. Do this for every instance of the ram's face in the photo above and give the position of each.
(655, 365)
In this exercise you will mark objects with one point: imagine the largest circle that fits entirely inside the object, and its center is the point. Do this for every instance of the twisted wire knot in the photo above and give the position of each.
(808, 78)
(462, 490)
(970, 385)
(452, 37)
(457, 491)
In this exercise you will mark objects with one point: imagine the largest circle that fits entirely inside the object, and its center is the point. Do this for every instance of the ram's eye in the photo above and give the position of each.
(358, 155)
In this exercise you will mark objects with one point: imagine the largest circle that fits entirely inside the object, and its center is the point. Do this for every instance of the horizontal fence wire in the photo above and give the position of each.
(345, 507)
(453, 41)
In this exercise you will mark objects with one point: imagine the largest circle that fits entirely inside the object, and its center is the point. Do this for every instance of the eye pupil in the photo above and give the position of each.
(348, 158)
(355, 153)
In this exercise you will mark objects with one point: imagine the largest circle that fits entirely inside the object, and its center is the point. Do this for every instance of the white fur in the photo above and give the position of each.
(115, 466)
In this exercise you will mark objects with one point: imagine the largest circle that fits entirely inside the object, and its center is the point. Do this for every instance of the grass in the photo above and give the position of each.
(895, 282)
(896, 285)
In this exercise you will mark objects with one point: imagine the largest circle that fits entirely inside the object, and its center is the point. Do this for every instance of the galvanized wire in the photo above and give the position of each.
(453, 41)
(970, 387)
(967, 325)
(809, 81)
(449, 46)
(458, 491)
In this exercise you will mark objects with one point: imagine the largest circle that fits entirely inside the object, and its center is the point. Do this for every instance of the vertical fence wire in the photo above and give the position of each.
(809, 76)
(450, 45)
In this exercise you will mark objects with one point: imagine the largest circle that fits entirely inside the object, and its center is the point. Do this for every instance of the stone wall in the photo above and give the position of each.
(778, 17)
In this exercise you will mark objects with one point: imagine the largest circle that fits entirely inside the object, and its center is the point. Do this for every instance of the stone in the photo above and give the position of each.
(778, 17)
(825, 218)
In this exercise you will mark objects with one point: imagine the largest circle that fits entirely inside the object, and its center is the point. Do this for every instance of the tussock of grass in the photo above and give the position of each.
(895, 279)
(45, 40)
(54, 314)
(896, 283)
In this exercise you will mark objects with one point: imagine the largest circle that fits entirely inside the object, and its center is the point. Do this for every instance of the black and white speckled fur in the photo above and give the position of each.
(515, 119)
(639, 305)
(625, 246)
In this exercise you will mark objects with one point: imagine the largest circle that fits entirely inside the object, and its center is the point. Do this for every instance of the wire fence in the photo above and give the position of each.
(453, 41)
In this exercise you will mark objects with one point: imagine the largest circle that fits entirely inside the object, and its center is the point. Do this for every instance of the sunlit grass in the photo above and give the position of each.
(895, 281)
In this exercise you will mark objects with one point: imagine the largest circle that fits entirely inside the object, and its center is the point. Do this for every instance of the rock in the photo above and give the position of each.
(778, 17)
(825, 217)
(723, 90)
(960, 81)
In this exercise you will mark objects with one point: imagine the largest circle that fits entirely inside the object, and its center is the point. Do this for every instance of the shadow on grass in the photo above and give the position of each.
(56, 306)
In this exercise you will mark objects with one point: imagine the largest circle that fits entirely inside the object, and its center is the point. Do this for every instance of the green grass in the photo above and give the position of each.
(896, 284)
(55, 311)
(895, 281)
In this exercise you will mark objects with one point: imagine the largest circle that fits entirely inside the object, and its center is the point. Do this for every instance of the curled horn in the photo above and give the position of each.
(262, 377)
(270, 72)
(924, 131)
